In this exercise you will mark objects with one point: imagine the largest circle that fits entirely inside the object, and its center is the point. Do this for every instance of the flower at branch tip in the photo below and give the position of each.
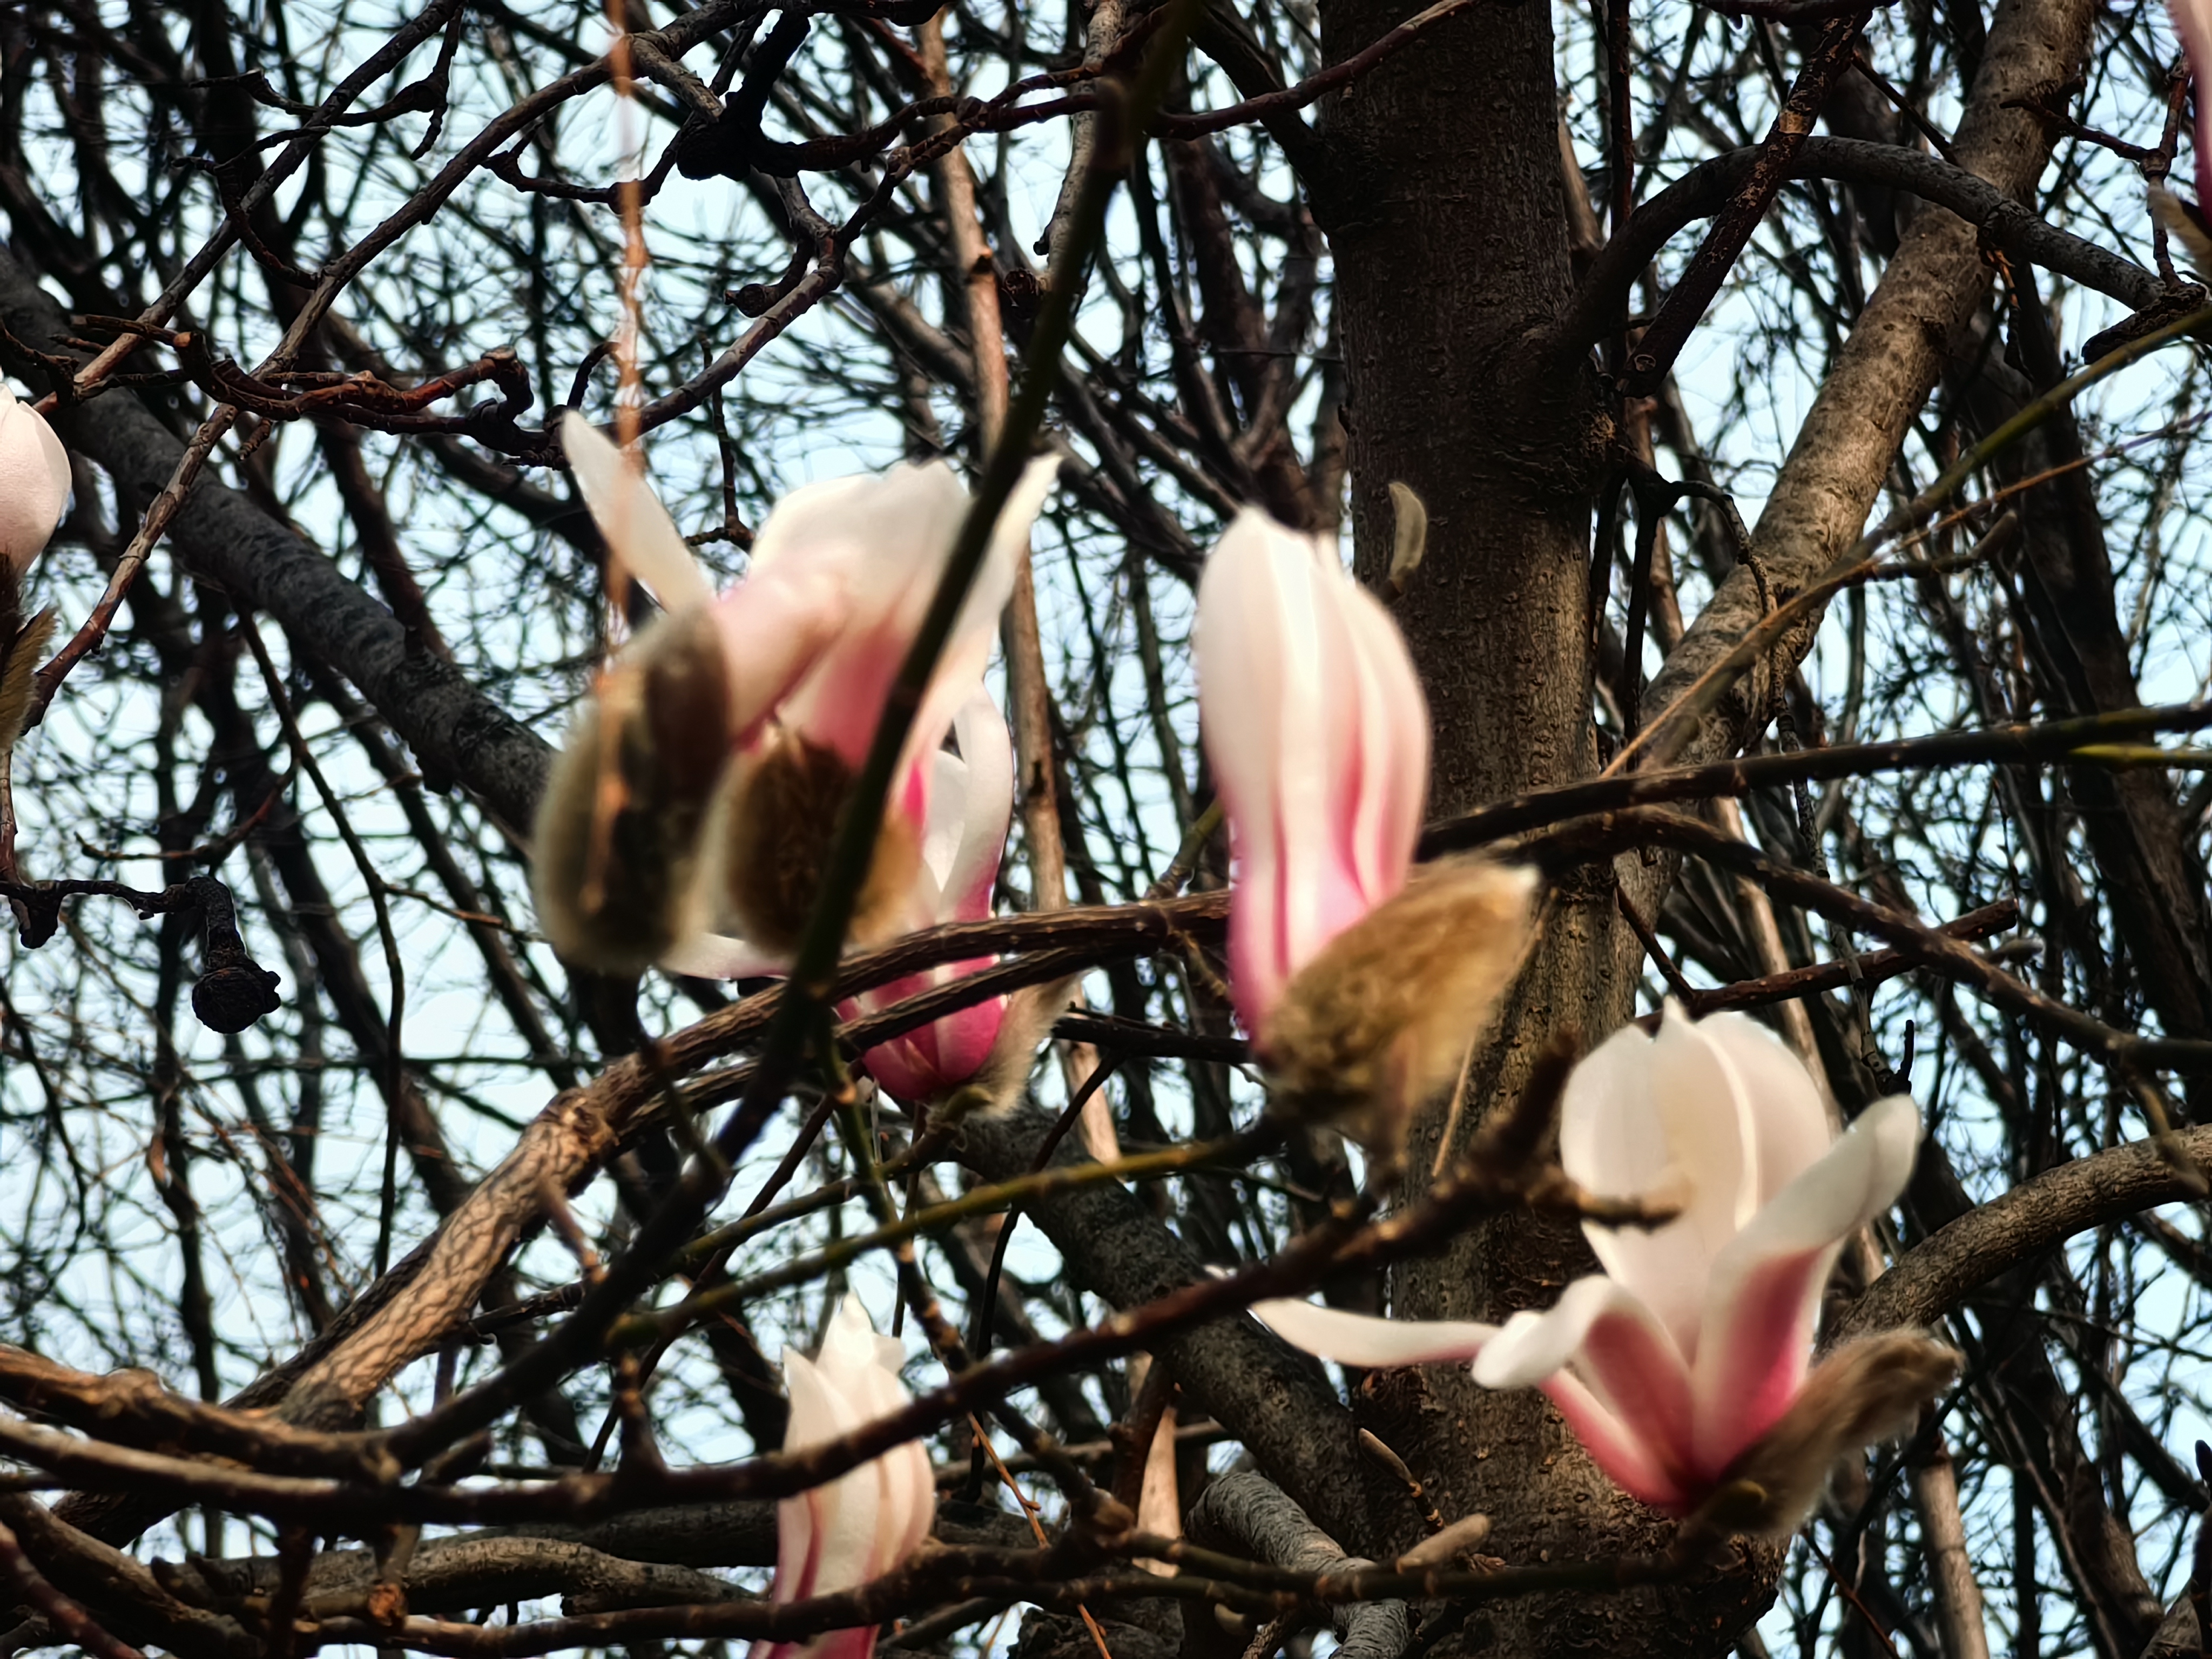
(689, 817)
(977, 1057)
(1361, 983)
(1684, 1367)
(34, 489)
(34, 483)
(858, 1527)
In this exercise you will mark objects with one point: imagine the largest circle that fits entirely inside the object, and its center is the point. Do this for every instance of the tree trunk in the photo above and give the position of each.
(1450, 233)
(1449, 223)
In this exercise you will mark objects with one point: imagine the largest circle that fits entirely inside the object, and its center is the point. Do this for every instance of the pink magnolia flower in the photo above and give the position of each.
(741, 719)
(1318, 736)
(1362, 983)
(34, 482)
(858, 1527)
(1684, 1368)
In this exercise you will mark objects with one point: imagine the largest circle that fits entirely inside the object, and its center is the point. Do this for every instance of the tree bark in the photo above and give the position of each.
(1451, 242)
(1442, 285)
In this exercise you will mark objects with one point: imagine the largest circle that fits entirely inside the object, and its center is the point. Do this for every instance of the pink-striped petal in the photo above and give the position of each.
(1627, 1460)
(1351, 1339)
(1625, 1357)
(1765, 1289)
(1317, 736)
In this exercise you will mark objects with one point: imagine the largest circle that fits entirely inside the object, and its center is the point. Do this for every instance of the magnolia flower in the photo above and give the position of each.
(840, 1535)
(34, 486)
(984, 1049)
(34, 483)
(1684, 1368)
(1361, 983)
(689, 818)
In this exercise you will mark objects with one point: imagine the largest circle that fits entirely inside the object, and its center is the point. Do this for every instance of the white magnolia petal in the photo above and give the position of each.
(1610, 1138)
(1631, 1125)
(983, 811)
(1790, 1121)
(629, 515)
(1351, 1339)
(968, 648)
(34, 482)
(868, 523)
(1765, 1289)
(804, 1522)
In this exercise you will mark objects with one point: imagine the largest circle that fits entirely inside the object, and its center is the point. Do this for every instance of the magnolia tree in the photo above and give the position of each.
(1149, 830)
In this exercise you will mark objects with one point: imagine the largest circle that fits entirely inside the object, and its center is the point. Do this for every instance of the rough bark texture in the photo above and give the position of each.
(1441, 282)
(1451, 259)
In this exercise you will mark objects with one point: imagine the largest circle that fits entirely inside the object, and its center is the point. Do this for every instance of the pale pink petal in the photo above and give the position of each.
(1625, 1357)
(968, 649)
(2192, 21)
(969, 812)
(1789, 1123)
(805, 1521)
(846, 1532)
(1392, 748)
(637, 528)
(1303, 700)
(880, 543)
(1661, 1117)
(34, 482)
(775, 633)
(1351, 1339)
(1765, 1288)
(1626, 1460)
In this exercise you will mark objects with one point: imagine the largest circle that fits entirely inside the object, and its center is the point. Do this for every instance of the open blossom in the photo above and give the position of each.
(1684, 1368)
(840, 1535)
(34, 483)
(1361, 981)
(689, 818)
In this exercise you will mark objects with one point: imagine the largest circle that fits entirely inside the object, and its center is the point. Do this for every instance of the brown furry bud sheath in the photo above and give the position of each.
(1379, 1023)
